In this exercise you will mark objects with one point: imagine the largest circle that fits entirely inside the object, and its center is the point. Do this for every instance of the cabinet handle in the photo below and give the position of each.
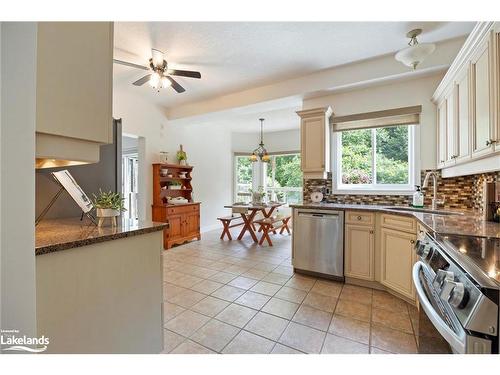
(441, 161)
(359, 218)
(371, 231)
(490, 142)
(412, 242)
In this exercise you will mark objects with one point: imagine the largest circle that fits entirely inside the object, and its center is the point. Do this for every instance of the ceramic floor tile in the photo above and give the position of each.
(222, 277)
(386, 301)
(243, 282)
(191, 347)
(171, 290)
(186, 281)
(206, 286)
(305, 339)
(170, 311)
(281, 308)
(187, 298)
(282, 349)
(339, 345)
(263, 266)
(327, 288)
(267, 325)
(171, 340)
(228, 293)
(236, 315)
(312, 317)
(210, 306)
(266, 288)
(353, 309)
(215, 335)
(392, 340)
(320, 301)
(248, 343)
(256, 274)
(350, 328)
(357, 294)
(301, 283)
(187, 323)
(276, 278)
(394, 320)
(291, 294)
(374, 350)
(253, 300)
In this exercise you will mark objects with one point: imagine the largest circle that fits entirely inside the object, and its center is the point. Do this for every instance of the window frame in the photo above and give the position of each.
(373, 189)
(236, 155)
(285, 189)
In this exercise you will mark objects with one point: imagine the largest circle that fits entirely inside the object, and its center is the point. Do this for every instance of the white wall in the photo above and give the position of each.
(208, 148)
(395, 95)
(143, 119)
(17, 246)
(286, 140)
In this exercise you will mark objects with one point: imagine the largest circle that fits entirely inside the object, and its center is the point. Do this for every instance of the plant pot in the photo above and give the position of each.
(107, 212)
(182, 162)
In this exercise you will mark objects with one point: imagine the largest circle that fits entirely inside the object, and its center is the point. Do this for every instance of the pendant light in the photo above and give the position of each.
(260, 153)
(416, 52)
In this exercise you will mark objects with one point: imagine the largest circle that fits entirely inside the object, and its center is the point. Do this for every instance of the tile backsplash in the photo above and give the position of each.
(464, 192)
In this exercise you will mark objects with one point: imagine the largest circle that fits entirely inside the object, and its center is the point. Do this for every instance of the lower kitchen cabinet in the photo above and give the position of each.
(397, 258)
(359, 252)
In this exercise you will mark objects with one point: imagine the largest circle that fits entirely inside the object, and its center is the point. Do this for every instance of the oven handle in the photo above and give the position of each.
(456, 342)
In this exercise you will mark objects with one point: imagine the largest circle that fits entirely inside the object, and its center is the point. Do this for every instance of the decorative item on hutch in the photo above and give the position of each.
(181, 156)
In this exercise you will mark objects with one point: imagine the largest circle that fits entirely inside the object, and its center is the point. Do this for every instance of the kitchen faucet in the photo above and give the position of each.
(434, 183)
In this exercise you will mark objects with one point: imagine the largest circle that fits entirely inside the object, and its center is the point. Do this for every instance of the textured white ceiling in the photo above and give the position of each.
(241, 55)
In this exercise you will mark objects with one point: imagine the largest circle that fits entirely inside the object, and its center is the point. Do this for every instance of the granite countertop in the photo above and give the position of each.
(60, 234)
(470, 223)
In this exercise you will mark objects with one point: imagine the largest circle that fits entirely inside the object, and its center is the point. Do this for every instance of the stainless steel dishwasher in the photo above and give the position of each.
(318, 242)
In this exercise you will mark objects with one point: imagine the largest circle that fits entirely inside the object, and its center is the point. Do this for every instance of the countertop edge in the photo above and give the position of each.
(47, 249)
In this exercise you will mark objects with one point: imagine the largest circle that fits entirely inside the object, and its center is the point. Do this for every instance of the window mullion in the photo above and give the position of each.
(374, 159)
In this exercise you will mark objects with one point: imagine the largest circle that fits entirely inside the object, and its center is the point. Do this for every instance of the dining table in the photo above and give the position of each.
(248, 213)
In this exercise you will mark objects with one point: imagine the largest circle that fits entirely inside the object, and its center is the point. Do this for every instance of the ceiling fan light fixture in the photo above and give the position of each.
(165, 82)
(157, 57)
(416, 52)
(154, 81)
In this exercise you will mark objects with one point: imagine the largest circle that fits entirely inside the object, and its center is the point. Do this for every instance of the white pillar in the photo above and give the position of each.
(259, 171)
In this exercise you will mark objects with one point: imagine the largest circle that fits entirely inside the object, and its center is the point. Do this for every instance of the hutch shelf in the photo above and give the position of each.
(173, 181)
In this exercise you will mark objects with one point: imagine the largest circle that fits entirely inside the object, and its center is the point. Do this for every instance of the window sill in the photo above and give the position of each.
(372, 192)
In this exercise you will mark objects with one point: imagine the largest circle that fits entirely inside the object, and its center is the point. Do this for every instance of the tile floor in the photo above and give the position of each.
(237, 297)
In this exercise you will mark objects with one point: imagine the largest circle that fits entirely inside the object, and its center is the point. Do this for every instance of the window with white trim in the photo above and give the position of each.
(284, 178)
(377, 160)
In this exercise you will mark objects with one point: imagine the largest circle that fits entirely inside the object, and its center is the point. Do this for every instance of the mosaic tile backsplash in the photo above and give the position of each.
(464, 192)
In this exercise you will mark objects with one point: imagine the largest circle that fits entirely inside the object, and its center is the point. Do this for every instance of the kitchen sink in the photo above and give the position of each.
(425, 210)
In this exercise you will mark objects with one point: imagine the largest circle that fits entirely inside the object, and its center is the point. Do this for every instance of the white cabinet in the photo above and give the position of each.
(315, 142)
(74, 89)
(451, 131)
(481, 103)
(462, 137)
(360, 245)
(397, 259)
(441, 133)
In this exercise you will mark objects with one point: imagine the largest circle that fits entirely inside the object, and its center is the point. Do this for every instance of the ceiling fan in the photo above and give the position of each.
(160, 76)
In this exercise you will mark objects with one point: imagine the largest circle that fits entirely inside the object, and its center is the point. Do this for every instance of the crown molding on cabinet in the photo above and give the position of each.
(480, 31)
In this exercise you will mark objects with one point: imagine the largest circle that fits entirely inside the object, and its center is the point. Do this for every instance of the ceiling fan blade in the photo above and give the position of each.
(142, 80)
(184, 73)
(175, 85)
(137, 66)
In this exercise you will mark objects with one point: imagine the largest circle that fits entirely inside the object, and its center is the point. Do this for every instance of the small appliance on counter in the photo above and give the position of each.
(491, 201)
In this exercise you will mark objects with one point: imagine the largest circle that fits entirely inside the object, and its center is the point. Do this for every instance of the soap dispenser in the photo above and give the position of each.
(418, 198)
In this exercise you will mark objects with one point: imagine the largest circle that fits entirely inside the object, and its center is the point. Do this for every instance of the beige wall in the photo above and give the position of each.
(286, 140)
(395, 95)
(17, 246)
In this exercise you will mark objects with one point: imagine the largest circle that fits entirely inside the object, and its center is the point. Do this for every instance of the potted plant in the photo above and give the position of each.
(175, 185)
(108, 204)
(181, 156)
(258, 196)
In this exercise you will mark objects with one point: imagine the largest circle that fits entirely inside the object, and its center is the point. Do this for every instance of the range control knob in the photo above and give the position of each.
(441, 277)
(459, 296)
(423, 250)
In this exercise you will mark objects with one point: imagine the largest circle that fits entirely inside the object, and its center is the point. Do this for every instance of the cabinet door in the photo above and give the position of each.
(451, 128)
(313, 144)
(462, 92)
(191, 225)
(481, 126)
(175, 229)
(397, 259)
(441, 134)
(359, 252)
(75, 80)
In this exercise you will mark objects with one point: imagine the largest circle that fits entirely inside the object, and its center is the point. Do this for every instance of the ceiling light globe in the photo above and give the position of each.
(414, 55)
(165, 82)
(154, 80)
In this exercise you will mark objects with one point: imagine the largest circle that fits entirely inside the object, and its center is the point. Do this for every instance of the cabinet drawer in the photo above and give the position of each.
(182, 209)
(397, 222)
(360, 218)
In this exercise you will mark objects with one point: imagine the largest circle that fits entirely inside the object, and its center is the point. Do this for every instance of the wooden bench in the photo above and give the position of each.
(226, 225)
(268, 225)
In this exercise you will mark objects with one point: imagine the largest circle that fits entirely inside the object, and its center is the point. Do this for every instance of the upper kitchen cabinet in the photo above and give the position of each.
(74, 91)
(467, 106)
(315, 142)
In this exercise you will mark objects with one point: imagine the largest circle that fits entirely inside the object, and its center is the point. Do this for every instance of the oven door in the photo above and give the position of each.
(438, 329)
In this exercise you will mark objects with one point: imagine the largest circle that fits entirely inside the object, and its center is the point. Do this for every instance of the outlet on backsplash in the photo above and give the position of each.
(464, 192)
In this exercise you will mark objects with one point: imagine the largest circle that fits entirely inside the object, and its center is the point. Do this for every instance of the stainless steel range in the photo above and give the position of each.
(457, 279)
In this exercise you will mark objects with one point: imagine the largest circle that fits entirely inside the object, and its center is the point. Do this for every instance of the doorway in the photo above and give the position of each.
(130, 175)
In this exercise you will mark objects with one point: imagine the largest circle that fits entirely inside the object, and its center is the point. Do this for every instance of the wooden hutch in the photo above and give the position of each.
(183, 219)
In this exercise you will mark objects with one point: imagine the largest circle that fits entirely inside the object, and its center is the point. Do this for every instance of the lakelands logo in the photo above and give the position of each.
(11, 341)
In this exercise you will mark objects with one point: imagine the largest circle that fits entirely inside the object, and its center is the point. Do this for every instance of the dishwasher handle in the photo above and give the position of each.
(319, 215)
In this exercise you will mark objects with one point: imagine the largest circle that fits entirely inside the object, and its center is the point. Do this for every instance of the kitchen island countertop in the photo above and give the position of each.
(470, 223)
(61, 234)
